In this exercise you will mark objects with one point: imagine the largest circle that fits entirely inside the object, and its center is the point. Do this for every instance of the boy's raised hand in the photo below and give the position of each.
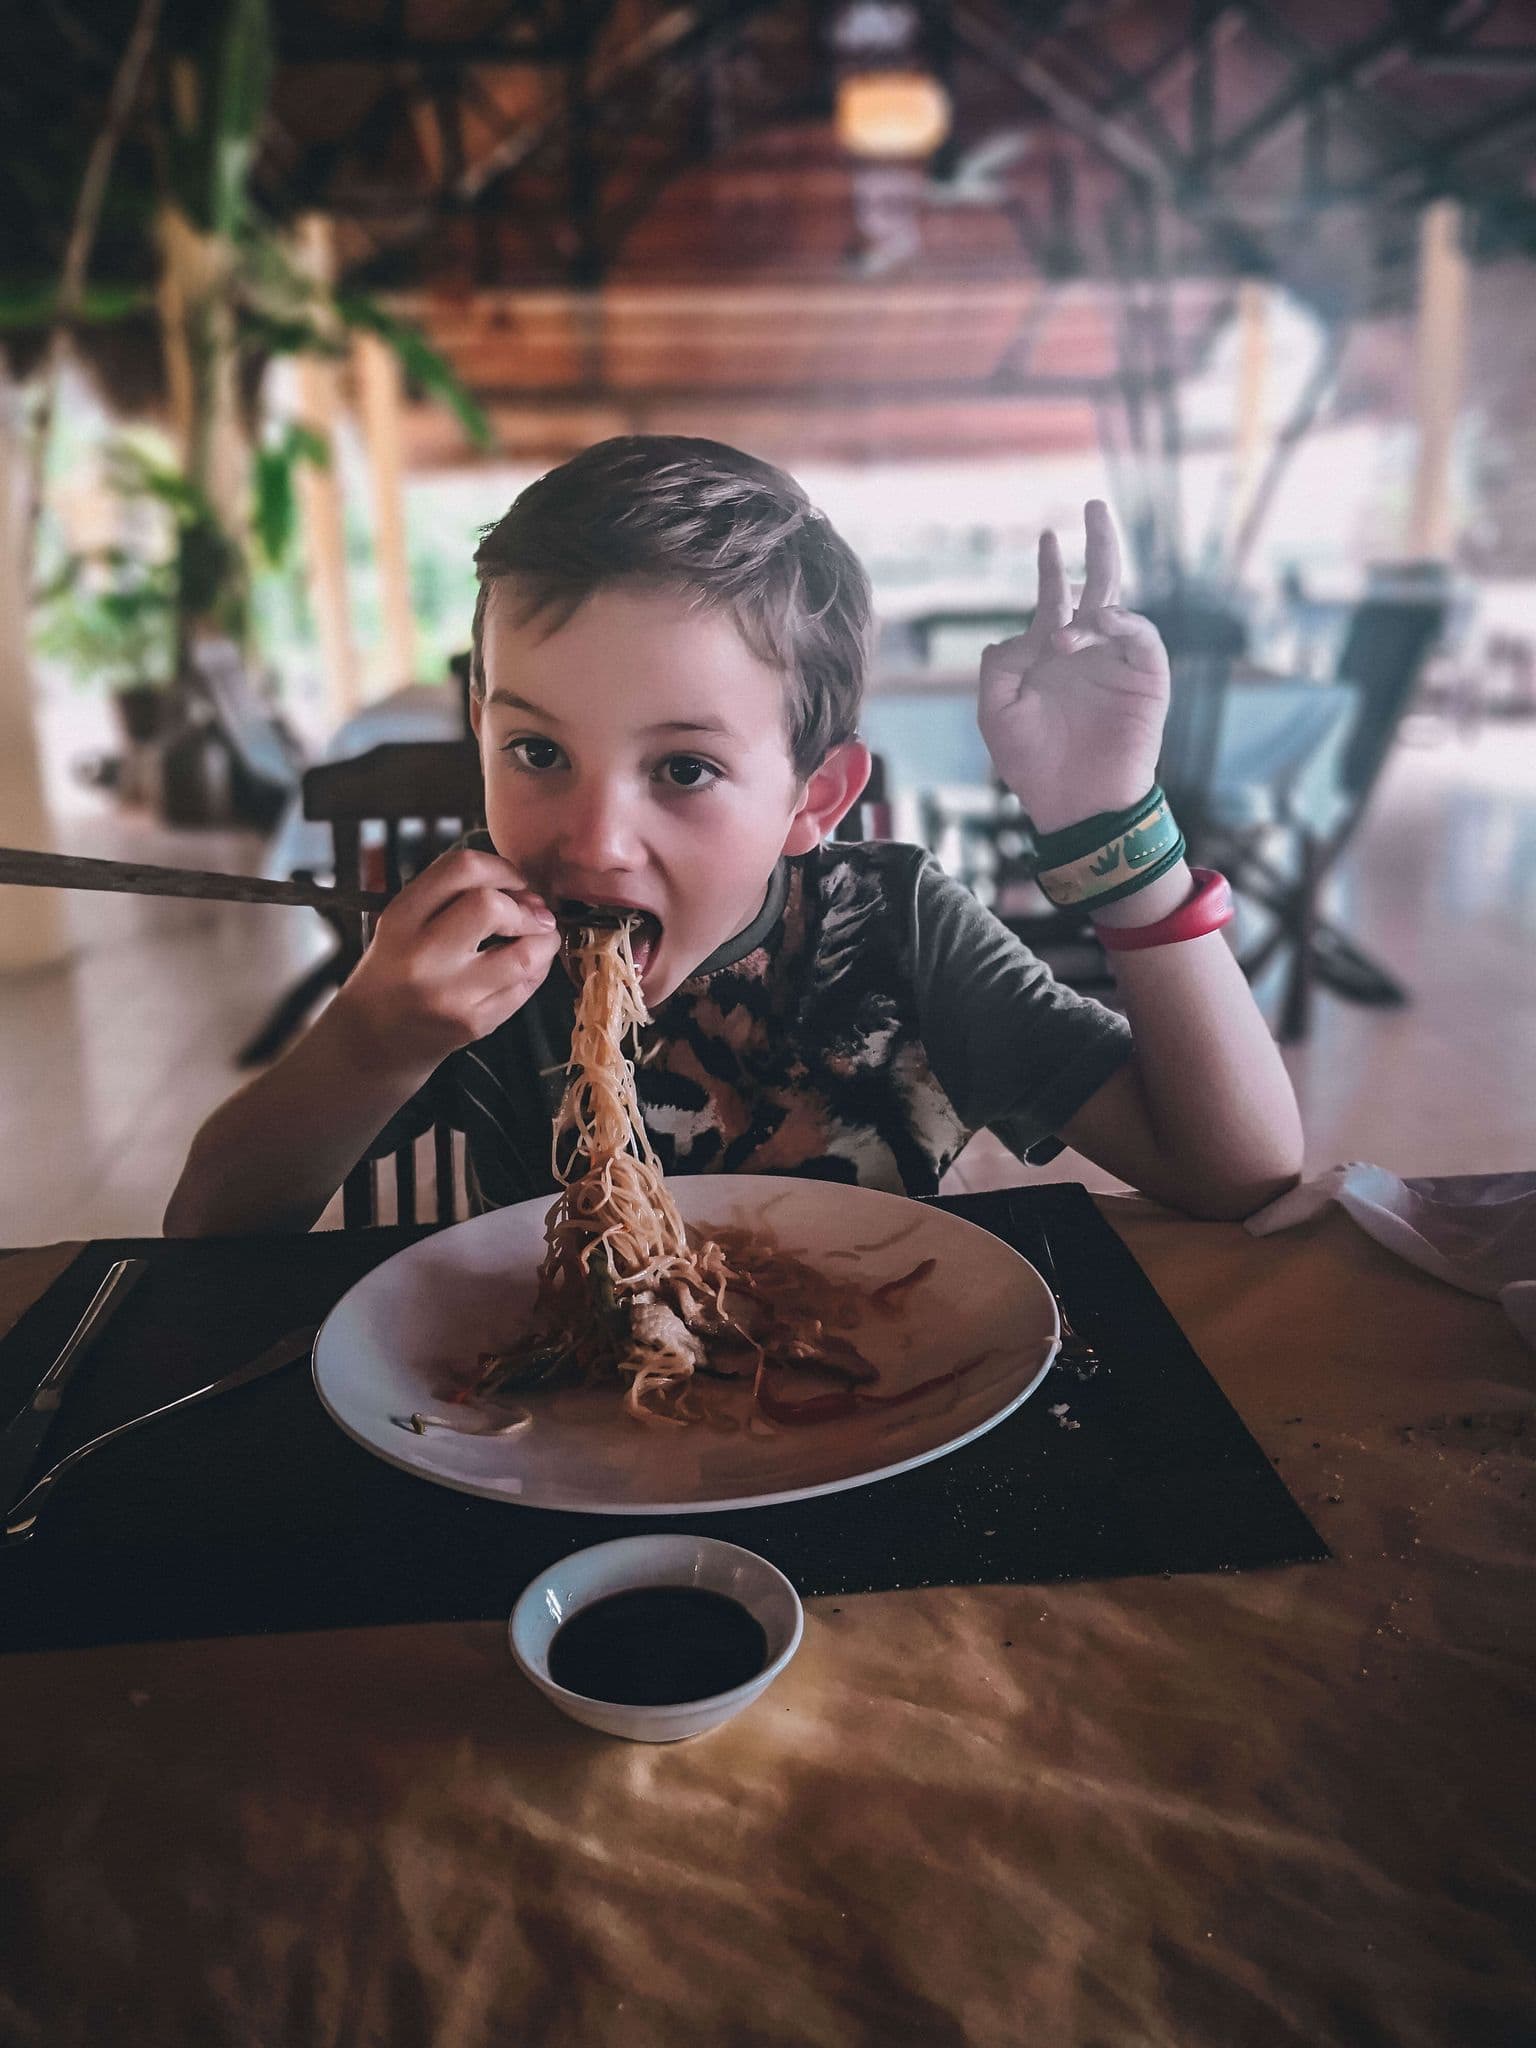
(1072, 711)
(424, 987)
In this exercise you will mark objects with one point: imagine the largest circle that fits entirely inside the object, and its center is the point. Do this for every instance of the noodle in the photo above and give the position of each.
(624, 1290)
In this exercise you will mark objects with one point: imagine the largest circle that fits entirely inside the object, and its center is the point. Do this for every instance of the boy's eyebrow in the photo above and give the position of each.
(711, 725)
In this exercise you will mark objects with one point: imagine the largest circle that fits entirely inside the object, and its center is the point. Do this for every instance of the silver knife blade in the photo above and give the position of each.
(24, 1437)
(22, 1514)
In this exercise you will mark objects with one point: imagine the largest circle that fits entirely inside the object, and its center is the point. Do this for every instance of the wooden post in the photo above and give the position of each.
(321, 503)
(380, 398)
(1252, 378)
(33, 931)
(1437, 376)
(171, 304)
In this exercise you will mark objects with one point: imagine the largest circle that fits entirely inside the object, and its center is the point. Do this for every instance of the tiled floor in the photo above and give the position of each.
(110, 1062)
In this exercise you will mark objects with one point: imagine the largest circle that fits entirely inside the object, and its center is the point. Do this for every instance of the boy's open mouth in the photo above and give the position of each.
(644, 927)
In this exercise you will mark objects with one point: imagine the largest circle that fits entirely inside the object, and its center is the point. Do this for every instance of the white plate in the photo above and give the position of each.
(406, 1332)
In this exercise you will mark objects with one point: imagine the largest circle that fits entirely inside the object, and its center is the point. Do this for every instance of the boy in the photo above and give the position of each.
(669, 655)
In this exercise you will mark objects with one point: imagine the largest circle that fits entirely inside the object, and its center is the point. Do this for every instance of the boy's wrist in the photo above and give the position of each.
(1056, 813)
(1149, 905)
(371, 1051)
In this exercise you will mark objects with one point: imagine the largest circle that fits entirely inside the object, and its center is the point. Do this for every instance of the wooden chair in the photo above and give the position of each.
(870, 817)
(1384, 652)
(392, 811)
(1204, 639)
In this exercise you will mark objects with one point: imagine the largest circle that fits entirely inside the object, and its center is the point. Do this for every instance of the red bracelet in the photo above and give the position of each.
(1206, 911)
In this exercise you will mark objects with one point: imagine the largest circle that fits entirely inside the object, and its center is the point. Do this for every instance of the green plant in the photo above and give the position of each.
(110, 617)
(235, 297)
(116, 615)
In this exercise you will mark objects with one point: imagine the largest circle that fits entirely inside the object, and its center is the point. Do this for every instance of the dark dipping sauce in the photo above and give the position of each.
(657, 1647)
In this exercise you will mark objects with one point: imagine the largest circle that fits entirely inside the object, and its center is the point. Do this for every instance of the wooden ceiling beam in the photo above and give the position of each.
(1336, 73)
(1107, 136)
(1373, 116)
(1432, 162)
(832, 395)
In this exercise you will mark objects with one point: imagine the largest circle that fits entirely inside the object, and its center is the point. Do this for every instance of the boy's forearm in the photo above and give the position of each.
(272, 1156)
(1218, 1099)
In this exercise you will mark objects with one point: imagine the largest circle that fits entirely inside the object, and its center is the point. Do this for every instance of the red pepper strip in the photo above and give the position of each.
(819, 1407)
(887, 1288)
(833, 1407)
(943, 1379)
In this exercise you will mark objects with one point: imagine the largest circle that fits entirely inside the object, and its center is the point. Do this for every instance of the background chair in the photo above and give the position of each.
(870, 817)
(390, 812)
(417, 714)
(1279, 854)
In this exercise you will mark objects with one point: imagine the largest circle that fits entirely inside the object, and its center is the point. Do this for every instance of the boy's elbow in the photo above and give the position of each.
(1231, 1190)
(186, 1213)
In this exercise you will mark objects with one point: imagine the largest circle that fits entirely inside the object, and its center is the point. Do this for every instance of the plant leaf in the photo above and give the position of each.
(241, 79)
(34, 305)
(421, 363)
(275, 513)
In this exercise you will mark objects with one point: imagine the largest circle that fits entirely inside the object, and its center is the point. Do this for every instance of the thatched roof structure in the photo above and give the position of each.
(613, 212)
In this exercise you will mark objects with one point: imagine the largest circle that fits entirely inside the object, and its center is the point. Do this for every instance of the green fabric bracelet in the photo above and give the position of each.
(1055, 849)
(1126, 859)
(1154, 873)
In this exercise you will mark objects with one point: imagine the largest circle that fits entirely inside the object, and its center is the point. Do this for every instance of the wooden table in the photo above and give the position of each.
(1284, 1807)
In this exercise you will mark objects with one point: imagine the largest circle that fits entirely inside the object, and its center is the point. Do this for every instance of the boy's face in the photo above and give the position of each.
(639, 756)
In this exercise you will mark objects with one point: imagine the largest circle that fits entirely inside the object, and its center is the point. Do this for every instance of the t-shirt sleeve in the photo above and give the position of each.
(1014, 1049)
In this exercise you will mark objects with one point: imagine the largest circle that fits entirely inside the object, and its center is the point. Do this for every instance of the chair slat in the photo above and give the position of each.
(447, 1178)
(432, 784)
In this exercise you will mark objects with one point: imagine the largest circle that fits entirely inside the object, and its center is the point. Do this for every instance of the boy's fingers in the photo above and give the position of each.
(475, 915)
(1136, 639)
(1003, 666)
(1073, 639)
(506, 975)
(451, 875)
(1054, 606)
(1101, 585)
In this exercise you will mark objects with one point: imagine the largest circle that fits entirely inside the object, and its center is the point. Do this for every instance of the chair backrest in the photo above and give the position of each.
(265, 756)
(392, 811)
(927, 737)
(954, 639)
(1384, 650)
(1203, 639)
(870, 817)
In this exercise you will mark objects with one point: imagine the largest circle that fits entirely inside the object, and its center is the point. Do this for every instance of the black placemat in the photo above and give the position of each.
(253, 1512)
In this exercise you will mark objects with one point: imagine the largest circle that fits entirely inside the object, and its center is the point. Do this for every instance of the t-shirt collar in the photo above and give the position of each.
(751, 936)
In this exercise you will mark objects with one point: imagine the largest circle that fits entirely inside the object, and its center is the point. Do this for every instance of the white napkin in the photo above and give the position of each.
(1476, 1230)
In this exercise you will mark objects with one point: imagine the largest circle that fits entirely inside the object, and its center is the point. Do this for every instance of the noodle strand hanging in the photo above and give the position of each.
(625, 1292)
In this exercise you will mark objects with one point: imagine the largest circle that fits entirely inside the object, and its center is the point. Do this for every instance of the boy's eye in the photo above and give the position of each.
(687, 771)
(533, 752)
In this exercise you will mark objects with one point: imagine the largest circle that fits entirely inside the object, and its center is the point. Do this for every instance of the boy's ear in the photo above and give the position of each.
(831, 792)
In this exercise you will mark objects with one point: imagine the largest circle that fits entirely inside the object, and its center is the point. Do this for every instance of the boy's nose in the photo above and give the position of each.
(597, 831)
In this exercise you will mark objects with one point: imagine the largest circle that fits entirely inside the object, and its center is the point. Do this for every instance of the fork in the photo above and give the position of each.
(1077, 1355)
(21, 1517)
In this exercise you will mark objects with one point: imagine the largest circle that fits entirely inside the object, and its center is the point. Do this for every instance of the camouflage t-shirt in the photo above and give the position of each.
(871, 1018)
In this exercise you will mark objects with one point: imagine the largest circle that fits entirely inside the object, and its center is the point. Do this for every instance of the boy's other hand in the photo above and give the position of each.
(428, 984)
(1072, 711)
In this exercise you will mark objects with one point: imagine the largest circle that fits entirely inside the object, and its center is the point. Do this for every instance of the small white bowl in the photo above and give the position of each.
(642, 1561)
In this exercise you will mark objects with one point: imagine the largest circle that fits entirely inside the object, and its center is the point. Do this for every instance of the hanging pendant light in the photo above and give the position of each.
(891, 114)
(889, 104)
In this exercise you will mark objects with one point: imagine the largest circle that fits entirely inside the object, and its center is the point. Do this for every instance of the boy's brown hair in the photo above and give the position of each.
(726, 529)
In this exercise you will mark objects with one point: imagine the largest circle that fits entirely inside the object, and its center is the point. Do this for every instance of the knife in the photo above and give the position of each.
(24, 1437)
(22, 1514)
